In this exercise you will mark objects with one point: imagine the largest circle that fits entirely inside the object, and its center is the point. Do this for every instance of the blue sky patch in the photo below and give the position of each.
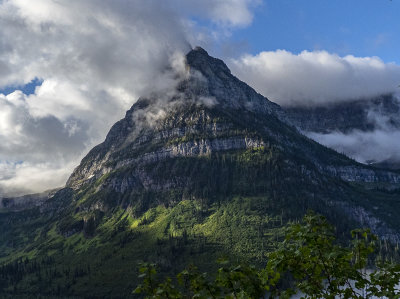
(357, 27)
(26, 89)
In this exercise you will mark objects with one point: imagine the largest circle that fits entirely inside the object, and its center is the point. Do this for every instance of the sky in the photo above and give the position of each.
(69, 69)
(354, 27)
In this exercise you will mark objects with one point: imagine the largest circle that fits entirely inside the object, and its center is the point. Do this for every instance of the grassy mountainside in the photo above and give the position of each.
(105, 264)
(101, 260)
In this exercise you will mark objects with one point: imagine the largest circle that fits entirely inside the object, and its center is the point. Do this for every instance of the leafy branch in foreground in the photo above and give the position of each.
(230, 282)
(310, 260)
(321, 268)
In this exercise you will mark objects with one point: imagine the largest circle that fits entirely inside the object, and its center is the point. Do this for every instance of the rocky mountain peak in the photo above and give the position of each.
(212, 79)
(199, 59)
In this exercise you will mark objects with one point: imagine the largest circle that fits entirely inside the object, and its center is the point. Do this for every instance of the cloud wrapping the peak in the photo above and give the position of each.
(316, 78)
(95, 59)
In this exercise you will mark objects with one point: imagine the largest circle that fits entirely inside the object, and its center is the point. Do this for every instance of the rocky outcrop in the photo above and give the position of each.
(362, 174)
(186, 149)
(195, 148)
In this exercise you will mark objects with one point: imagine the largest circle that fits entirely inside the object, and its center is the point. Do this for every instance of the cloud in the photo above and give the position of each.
(95, 59)
(36, 153)
(24, 178)
(316, 78)
(370, 146)
(365, 147)
(227, 13)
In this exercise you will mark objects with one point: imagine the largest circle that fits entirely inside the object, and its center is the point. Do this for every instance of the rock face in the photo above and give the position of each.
(213, 135)
(359, 174)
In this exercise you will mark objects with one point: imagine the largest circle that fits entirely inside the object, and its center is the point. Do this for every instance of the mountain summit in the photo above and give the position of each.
(208, 85)
(208, 167)
(218, 82)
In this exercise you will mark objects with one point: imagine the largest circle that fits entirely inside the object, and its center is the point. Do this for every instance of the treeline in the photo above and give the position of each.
(44, 274)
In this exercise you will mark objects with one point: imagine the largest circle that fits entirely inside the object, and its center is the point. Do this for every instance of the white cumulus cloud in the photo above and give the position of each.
(316, 78)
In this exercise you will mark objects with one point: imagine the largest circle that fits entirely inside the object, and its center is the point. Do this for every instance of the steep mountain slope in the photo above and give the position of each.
(206, 168)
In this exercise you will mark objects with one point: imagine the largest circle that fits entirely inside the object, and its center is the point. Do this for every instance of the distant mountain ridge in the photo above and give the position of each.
(26, 201)
(379, 115)
(347, 116)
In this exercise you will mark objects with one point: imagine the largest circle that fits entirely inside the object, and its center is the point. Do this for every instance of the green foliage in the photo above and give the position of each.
(309, 260)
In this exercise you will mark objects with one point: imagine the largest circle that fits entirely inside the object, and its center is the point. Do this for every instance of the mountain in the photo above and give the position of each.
(205, 168)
